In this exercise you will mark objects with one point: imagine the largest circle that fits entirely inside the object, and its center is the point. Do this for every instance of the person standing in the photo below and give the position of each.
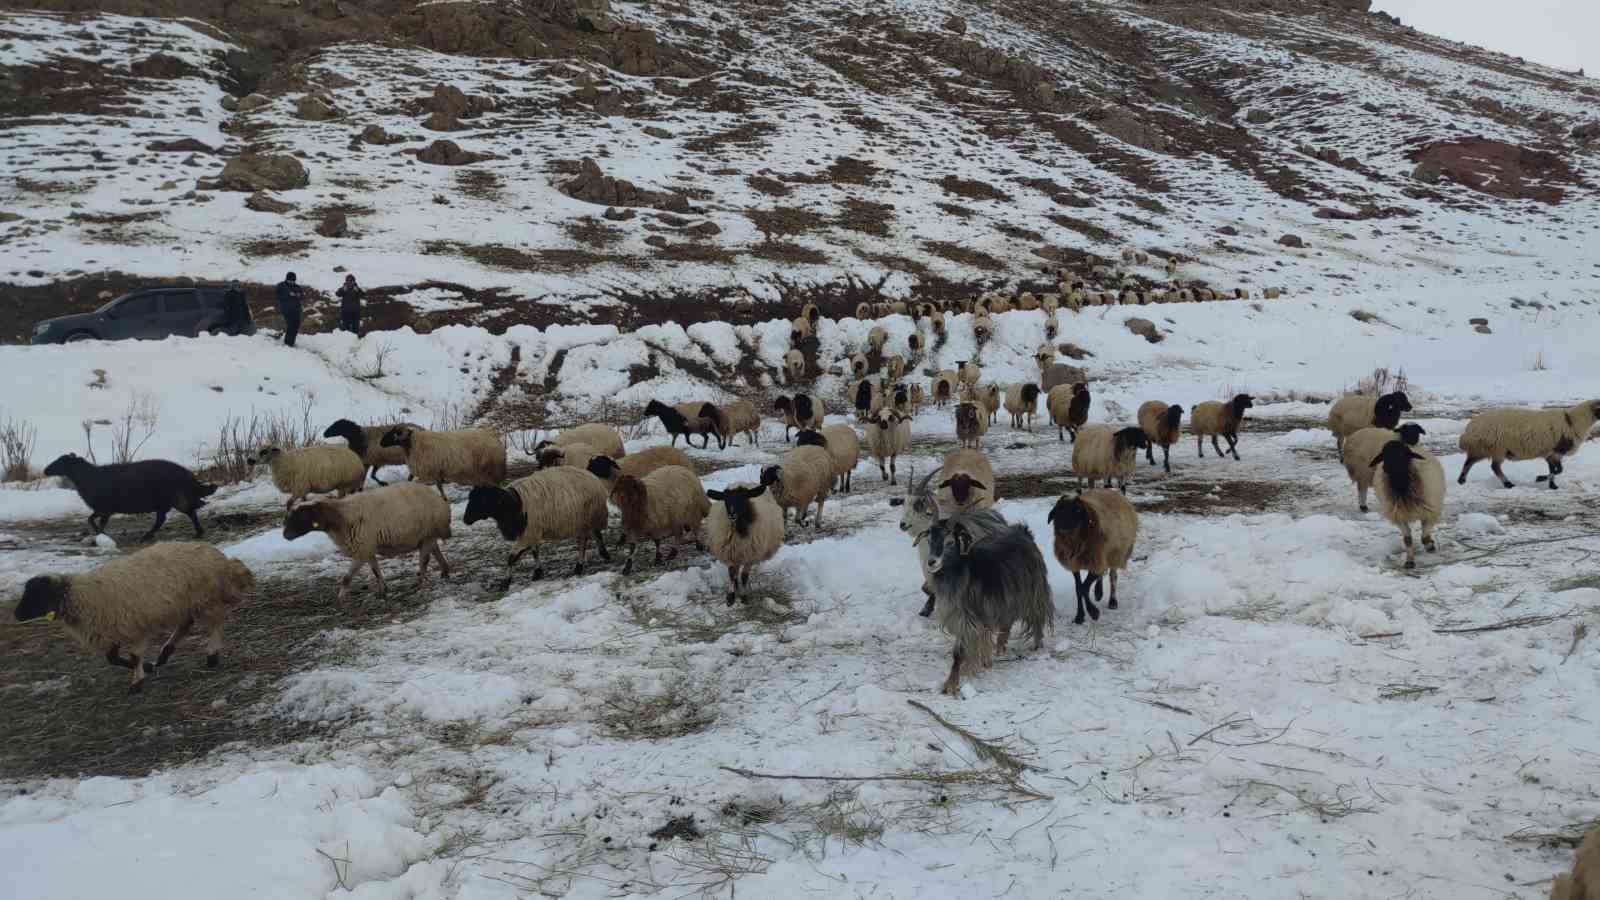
(350, 297)
(235, 310)
(290, 295)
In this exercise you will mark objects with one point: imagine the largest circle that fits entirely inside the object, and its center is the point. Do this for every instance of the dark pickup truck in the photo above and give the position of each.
(145, 314)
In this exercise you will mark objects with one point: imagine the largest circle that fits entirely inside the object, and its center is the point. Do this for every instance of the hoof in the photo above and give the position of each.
(136, 688)
(951, 690)
(1411, 564)
(149, 668)
(539, 572)
(1508, 484)
(1363, 509)
(1461, 480)
(732, 597)
(166, 654)
(214, 660)
(1111, 605)
(627, 568)
(1094, 613)
(577, 569)
(505, 585)
(1078, 619)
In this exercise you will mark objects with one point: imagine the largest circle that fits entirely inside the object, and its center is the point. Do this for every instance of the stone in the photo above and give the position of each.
(261, 201)
(1427, 173)
(230, 103)
(593, 186)
(1482, 329)
(618, 215)
(660, 133)
(334, 224)
(1588, 131)
(377, 134)
(252, 101)
(162, 66)
(955, 25)
(1258, 117)
(1291, 240)
(448, 153)
(315, 108)
(1478, 321)
(263, 171)
(185, 145)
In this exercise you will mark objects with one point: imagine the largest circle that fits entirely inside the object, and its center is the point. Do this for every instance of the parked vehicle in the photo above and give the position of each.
(145, 314)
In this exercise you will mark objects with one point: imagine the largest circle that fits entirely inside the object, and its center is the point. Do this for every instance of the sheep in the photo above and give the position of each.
(1548, 434)
(313, 470)
(1353, 413)
(365, 442)
(1163, 425)
(968, 372)
(982, 587)
(921, 510)
(1068, 405)
(1095, 532)
(664, 504)
(604, 440)
(876, 339)
(810, 313)
(799, 332)
(805, 475)
(1213, 418)
(943, 387)
(982, 328)
(1410, 488)
(937, 322)
(800, 411)
(966, 481)
(389, 521)
(733, 419)
(971, 425)
(1583, 882)
(914, 344)
(989, 400)
(863, 311)
(1050, 303)
(867, 397)
(1051, 329)
(1271, 293)
(1027, 302)
(1022, 402)
(168, 589)
(744, 528)
(1053, 374)
(858, 365)
(1103, 453)
(685, 420)
(888, 434)
(638, 464)
(549, 505)
(894, 366)
(575, 455)
(472, 457)
(908, 399)
(147, 486)
(843, 446)
(1361, 447)
(794, 365)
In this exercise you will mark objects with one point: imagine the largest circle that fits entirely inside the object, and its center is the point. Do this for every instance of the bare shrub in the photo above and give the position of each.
(451, 417)
(17, 442)
(1539, 364)
(1381, 382)
(240, 437)
(380, 362)
(130, 431)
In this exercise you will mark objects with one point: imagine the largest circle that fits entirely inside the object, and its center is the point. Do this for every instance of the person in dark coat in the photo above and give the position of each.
(235, 310)
(290, 304)
(350, 297)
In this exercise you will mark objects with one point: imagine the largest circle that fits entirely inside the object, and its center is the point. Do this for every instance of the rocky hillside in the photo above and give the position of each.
(561, 160)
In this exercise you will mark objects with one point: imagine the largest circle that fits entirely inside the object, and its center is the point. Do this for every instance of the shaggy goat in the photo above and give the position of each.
(1549, 434)
(1101, 453)
(1351, 414)
(921, 510)
(1361, 447)
(1411, 488)
(1095, 532)
(313, 470)
(665, 504)
(1068, 405)
(365, 441)
(1213, 418)
(800, 411)
(132, 600)
(984, 586)
(744, 529)
(470, 456)
(148, 486)
(1162, 426)
(386, 522)
(549, 505)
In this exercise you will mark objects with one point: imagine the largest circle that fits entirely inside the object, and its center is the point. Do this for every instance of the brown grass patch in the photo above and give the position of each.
(1087, 229)
(1019, 233)
(782, 221)
(966, 256)
(866, 217)
(955, 209)
(480, 184)
(592, 232)
(261, 247)
(794, 254)
(971, 190)
(772, 187)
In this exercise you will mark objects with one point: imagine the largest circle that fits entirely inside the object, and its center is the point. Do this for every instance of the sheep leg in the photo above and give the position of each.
(600, 544)
(1166, 458)
(1411, 550)
(627, 567)
(786, 430)
(422, 563)
(675, 439)
(344, 583)
(373, 474)
(194, 518)
(94, 525)
(1555, 469)
(1217, 448)
(444, 567)
(1002, 638)
(214, 645)
(1061, 434)
(1233, 444)
(172, 642)
(114, 656)
(658, 551)
(1113, 603)
(733, 584)
(1494, 466)
(137, 685)
(161, 519)
(440, 486)
(377, 574)
(1467, 467)
(1427, 538)
(511, 563)
(1361, 497)
(1150, 454)
(894, 472)
(820, 501)
(1077, 590)
(1200, 445)
(583, 551)
(952, 684)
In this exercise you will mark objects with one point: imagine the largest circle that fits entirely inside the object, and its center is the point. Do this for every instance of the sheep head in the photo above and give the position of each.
(42, 597)
(603, 467)
(962, 487)
(266, 455)
(505, 507)
(304, 519)
(65, 465)
(398, 436)
(1411, 433)
(810, 438)
(1242, 402)
(737, 502)
(1069, 514)
(550, 456)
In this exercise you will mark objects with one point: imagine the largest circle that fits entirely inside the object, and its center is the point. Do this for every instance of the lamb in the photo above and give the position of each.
(982, 587)
(313, 470)
(943, 387)
(971, 425)
(638, 464)
(745, 528)
(966, 481)
(664, 504)
(894, 366)
(1361, 447)
(1068, 405)
(799, 411)
(876, 338)
(1411, 489)
(1548, 434)
(1095, 532)
(147, 486)
(1351, 414)
(1101, 453)
(843, 446)
(733, 419)
(868, 398)
(365, 441)
(549, 505)
(888, 434)
(794, 365)
(604, 440)
(1022, 402)
(389, 521)
(129, 601)
(683, 419)
(472, 457)
(806, 475)
(1213, 419)
(1162, 425)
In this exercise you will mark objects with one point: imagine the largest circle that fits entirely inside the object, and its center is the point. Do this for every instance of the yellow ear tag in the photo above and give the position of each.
(315, 524)
(50, 616)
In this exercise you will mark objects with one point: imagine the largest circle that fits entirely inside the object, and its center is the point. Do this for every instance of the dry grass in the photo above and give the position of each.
(17, 442)
(683, 706)
(480, 184)
(239, 438)
(1381, 382)
(262, 247)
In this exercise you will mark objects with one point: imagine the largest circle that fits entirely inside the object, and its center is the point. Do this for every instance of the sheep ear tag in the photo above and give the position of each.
(50, 616)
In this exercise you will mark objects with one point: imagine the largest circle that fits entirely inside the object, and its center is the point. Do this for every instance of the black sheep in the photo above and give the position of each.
(148, 486)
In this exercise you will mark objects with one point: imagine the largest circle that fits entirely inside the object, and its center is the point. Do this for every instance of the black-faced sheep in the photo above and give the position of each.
(1212, 419)
(386, 522)
(844, 448)
(733, 419)
(1068, 405)
(683, 420)
(1022, 402)
(965, 481)
(810, 313)
(968, 373)
(1104, 454)
(1410, 486)
(1548, 434)
(888, 434)
(943, 387)
(1162, 425)
(470, 457)
(366, 441)
(858, 365)
(799, 332)
(972, 422)
(133, 600)
(799, 411)
(894, 366)
(322, 469)
(638, 464)
(744, 529)
(984, 586)
(1351, 414)
(666, 504)
(805, 476)
(989, 399)
(549, 505)
(867, 397)
(1360, 449)
(148, 486)
(914, 344)
(1094, 534)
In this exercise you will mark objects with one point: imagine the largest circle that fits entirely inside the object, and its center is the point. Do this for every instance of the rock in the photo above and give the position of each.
(1228, 230)
(452, 101)
(955, 25)
(705, 229)
(315, 108)
(618, 215)
(1291, 240)
(263, 171)
(1258, 117)
(252, 101)
(439, 121)
(160, 65)
(185, 145)
(377, 134)
(1588, 131)
(1145, 329)
(1427, 173)
(261, 201)
(230, 103)
(1478, 321)
(1482, 329)
(655, 132)
(1124, 126)
(333, 224)
(448, 153)
(594, 186)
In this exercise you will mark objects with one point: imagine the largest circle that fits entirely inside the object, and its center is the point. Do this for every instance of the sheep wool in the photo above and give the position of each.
(744, 529)
(366, 441)
(130, 601)
(1549, 434)
(804, 477)
(733, 419)
(844, 446)
(876, 339)
(1104, 454)
(1094, 534)
(965, 481)
(1364, 446)
(389, 521)
(1583, 882)
(322, 469)
(943, 387)
(471, 456)
(972, 423)
(640, 464)
(549, 505)
(574, 454)
(794, 365)
(1068, 405)
(1410, 484)
(1163, 426)
(1022, 402)
(660, 506)
(799, 411)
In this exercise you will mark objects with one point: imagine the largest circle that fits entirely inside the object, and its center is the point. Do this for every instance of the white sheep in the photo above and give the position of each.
(1103, 454)
(470, 457)
(663, 505)
(323, 469)
(549, 505)
(1022, 402)
(390, 521)
(804, 477)
(888, 434)
(744, 529)
(1548, 434)
(1353, 413)
(965, 481)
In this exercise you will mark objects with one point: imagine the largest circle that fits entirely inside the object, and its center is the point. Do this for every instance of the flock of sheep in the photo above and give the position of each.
(982, 574)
